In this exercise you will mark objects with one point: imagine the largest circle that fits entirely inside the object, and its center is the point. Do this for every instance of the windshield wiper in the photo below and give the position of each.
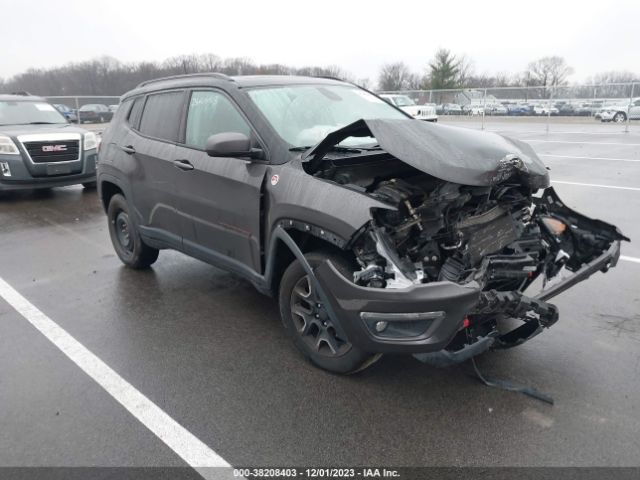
(371, 147)
(42, 123)
(299, 149)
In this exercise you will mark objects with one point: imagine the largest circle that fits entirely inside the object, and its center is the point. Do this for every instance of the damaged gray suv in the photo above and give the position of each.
(378, 233)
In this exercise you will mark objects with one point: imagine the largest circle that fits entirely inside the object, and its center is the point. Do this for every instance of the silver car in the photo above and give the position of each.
(620, 113)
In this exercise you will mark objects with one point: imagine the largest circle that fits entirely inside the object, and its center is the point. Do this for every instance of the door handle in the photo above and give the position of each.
(183, 164)
(128, 149)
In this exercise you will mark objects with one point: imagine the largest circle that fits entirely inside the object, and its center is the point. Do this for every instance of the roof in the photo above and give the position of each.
(217, 79)
(21, 98)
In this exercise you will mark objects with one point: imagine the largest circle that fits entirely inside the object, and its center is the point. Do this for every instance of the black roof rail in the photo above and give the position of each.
(22, 93)
(220, 76)
(329, 77)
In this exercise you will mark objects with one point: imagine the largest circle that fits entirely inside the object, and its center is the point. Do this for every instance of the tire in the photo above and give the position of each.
(319, 343)
(90, 185)
(129, 247)
(619, 117)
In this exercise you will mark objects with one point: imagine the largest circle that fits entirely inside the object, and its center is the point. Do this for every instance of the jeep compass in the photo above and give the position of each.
(376, 232)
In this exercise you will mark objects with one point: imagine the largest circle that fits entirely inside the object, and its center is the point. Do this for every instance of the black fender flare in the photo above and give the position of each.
(279, 234)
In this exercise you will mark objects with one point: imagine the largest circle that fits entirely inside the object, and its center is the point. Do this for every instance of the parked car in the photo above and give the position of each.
(377, 233)
(518, 109)
(67, 112)
(405, 103)
(473, 109)
(620, 113)
(567, 110)
(39, 149)
(495, 109)
(94, 112)
(595, 107)
(583, 110)
(544, 109)
(451, 109)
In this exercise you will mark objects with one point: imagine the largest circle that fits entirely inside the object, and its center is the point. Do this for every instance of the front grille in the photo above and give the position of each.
(53, 151)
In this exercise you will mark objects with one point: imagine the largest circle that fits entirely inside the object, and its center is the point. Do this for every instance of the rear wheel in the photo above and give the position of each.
(128, 244)
(306, 320)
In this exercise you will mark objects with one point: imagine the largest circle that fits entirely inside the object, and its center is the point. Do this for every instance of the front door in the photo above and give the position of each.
(220, 196)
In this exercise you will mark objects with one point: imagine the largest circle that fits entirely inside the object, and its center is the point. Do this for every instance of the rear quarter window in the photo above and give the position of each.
(162, 115)
(135, 113)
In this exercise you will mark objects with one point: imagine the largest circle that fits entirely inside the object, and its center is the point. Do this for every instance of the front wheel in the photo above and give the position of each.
(128, 244)
(307, 321)
(619, 117)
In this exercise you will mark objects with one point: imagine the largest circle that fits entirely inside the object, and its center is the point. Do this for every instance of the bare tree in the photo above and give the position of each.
(614, 84)
(614, 76)
(396, 76)
(108, 76)
(466, 70)
(548, 72)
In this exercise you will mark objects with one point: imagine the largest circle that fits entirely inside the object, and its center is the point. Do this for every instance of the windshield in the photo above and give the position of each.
(303, 115)
(402, 101)
(24, 113)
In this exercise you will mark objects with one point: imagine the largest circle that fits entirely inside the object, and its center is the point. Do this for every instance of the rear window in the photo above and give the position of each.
(161, 116)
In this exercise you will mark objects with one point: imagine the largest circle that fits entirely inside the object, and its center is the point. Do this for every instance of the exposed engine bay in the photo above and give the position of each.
(500, 236)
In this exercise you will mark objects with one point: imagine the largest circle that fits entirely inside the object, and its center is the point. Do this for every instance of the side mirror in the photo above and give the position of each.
(231, 144)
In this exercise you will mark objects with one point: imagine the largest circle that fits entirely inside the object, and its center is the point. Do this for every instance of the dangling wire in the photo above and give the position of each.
(512, 387)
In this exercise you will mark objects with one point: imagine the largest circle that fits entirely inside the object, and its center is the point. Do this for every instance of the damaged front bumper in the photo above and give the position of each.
(423, 319)
(602, 263)
(419, 318)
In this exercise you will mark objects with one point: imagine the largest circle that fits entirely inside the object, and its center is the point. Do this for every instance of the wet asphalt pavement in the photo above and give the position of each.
(209, 350)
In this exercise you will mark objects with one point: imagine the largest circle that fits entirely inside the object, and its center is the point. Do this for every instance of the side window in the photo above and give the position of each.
(136, 112)
(123, 110)
(161, 116)
(211, 113)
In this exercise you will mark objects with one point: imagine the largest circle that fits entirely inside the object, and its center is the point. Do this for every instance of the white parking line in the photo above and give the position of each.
(606, 159)
(193, 451)
(595, 185)
(629, 259)
(582, 143)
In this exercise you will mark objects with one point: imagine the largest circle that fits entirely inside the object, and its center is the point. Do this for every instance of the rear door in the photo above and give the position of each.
(220, 195)
(151, 145)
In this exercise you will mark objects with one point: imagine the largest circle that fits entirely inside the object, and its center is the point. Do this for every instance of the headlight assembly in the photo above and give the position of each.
(7, 147)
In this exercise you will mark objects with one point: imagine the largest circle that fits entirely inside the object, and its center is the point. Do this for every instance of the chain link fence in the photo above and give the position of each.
(546, 108)
(617, 104)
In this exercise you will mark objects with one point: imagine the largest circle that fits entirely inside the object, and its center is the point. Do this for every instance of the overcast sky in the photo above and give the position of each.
(358, 36)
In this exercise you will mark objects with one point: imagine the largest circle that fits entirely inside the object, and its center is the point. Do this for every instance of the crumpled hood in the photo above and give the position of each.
(453, 154)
